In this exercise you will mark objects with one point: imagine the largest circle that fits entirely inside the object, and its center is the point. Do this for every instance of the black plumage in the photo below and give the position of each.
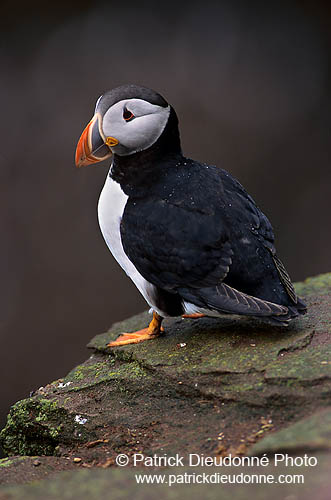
(193, 231)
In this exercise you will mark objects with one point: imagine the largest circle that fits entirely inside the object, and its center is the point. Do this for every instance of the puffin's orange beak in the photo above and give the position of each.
(91, 147)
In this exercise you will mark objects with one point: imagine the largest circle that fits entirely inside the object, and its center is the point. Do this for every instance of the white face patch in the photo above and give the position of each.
(139, 133)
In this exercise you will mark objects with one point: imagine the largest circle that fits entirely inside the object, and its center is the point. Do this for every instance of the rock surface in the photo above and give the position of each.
(209, 386)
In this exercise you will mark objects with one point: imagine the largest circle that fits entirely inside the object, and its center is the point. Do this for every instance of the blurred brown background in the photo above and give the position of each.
(251, 85)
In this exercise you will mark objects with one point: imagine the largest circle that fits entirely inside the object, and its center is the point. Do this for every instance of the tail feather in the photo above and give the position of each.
(285, 279)
(227, 300)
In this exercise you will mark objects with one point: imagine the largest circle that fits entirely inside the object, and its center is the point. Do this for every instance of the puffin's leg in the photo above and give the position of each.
(153, 330)
(194, 316)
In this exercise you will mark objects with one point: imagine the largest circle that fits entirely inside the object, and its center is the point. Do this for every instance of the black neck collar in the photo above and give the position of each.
(139, 169)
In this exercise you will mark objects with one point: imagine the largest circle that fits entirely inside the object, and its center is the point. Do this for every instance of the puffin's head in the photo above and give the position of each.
(127, 119)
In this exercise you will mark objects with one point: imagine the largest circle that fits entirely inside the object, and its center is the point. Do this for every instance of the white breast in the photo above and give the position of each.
(111, 206)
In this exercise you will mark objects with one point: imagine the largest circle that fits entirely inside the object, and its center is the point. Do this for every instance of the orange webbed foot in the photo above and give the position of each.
(194, 316)
(153, 330)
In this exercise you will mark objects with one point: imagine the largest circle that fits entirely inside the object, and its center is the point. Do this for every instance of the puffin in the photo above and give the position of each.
(189, 236)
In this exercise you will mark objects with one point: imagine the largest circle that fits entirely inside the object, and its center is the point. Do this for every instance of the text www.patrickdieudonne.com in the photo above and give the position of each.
(217, 478)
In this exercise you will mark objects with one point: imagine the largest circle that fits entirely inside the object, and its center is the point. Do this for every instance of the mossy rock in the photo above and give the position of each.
(211, 386)
(36, 426)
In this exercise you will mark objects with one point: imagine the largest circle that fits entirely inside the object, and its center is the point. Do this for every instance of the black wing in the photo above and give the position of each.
(173, 246)
(187, 235)
(244, 211)
(251, 216)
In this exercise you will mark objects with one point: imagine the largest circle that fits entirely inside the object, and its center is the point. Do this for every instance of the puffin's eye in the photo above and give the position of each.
(127, 115)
